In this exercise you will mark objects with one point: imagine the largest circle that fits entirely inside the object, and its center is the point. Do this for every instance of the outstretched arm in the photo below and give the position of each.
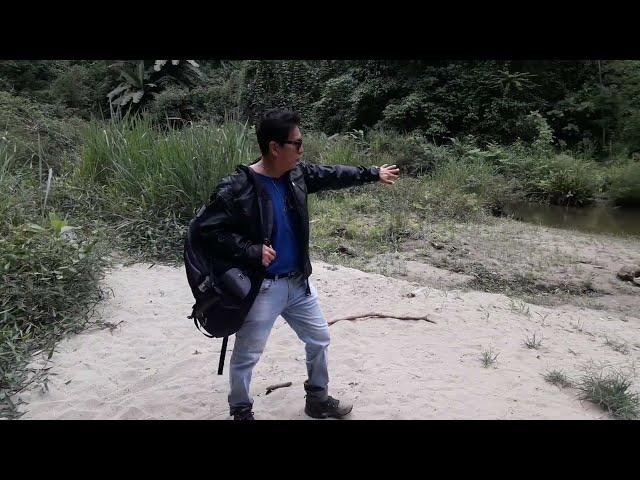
(333, 177)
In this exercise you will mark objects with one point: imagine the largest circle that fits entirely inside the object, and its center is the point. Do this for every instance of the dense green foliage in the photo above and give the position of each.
(590, 105)
(98, 156)
(49, 269)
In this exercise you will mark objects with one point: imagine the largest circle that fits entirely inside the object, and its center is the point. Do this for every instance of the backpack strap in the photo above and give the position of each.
(197, 324)
(223, 351)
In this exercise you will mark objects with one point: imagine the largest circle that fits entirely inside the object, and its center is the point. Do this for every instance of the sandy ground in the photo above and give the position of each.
(156, 365)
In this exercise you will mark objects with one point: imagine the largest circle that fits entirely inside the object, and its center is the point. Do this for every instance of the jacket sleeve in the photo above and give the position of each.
(333, 177)
(216, 229)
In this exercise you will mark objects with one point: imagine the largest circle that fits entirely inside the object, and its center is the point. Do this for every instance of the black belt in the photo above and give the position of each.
(271, 276)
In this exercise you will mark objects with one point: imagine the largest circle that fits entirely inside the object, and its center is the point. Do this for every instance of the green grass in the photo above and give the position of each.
(568, 180)
(34, 132)
(410, 152)
(50, 267)
(149, 183)
(624, 188)
(465, 190)
(371, 219)
(559, 179)
(533, 342)
(343, 150)
(163, 171)
(131, 186)
(611, 391)
(488, 358)
(558, 378)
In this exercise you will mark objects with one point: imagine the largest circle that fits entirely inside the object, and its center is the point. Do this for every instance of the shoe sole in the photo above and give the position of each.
(326, 415)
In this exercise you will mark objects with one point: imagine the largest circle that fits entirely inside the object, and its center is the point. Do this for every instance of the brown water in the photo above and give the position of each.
(598, 219)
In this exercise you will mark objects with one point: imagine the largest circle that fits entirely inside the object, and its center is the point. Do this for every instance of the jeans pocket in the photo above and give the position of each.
(266, 285)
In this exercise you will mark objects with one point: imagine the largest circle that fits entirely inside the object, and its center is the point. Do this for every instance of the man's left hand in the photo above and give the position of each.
(388, 174)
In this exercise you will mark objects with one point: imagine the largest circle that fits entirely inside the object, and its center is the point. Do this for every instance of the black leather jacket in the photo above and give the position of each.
(238, 219)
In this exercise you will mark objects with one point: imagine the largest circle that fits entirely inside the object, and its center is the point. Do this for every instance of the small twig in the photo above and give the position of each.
(271, 388)
(379, 315)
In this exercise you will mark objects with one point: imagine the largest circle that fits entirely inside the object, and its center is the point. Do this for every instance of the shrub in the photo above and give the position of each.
(49, 274)
(412, 153)
(32, 132)
(624, 183)
(565, 180)
(464, 190)
(611, 391)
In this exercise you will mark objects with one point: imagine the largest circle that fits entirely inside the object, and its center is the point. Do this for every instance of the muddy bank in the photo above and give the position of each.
(541, 265)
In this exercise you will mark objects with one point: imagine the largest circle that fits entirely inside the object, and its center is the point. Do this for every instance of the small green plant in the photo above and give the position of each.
(611, 391)
(557, 378)
(533, 342)
(488, 358)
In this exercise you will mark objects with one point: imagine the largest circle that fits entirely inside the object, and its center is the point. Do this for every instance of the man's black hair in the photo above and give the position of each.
(275, 126)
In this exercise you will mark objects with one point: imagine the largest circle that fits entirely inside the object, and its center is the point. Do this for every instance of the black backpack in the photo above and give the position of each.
(223, 293)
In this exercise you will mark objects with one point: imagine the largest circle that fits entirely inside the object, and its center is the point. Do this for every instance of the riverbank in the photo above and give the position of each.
(490, 355)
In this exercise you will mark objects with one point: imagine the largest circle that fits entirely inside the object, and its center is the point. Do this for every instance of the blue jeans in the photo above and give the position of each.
(286, 297)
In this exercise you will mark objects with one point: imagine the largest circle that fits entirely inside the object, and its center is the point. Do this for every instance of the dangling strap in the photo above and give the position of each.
(223, 351)
(197, 324)
(197, 310)
(308, 288)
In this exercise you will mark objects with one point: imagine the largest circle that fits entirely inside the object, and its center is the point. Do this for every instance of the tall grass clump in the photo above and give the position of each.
(314, 146)
(172, 170)
(6, 157)
(344, 150)
(465, 189)
(155, 180)
(49, 274)
(566, 180)
(411, 152)
(559, 179)
(624, 183)
(611, 391)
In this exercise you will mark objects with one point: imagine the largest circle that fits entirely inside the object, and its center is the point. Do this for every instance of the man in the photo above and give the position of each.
(258, 219)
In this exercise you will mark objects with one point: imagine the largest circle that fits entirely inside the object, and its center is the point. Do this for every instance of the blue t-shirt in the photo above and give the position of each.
(285, 236)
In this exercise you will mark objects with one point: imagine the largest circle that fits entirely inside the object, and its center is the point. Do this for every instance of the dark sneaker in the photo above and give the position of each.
(244, 414)
(331, 407)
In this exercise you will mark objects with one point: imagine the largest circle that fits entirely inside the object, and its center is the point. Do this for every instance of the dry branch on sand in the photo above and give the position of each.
(379, 315)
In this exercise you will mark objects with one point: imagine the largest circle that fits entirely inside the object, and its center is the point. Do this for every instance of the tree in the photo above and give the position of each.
(140, 80)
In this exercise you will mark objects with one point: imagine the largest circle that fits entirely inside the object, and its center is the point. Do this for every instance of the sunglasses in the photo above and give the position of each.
(297, 143)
